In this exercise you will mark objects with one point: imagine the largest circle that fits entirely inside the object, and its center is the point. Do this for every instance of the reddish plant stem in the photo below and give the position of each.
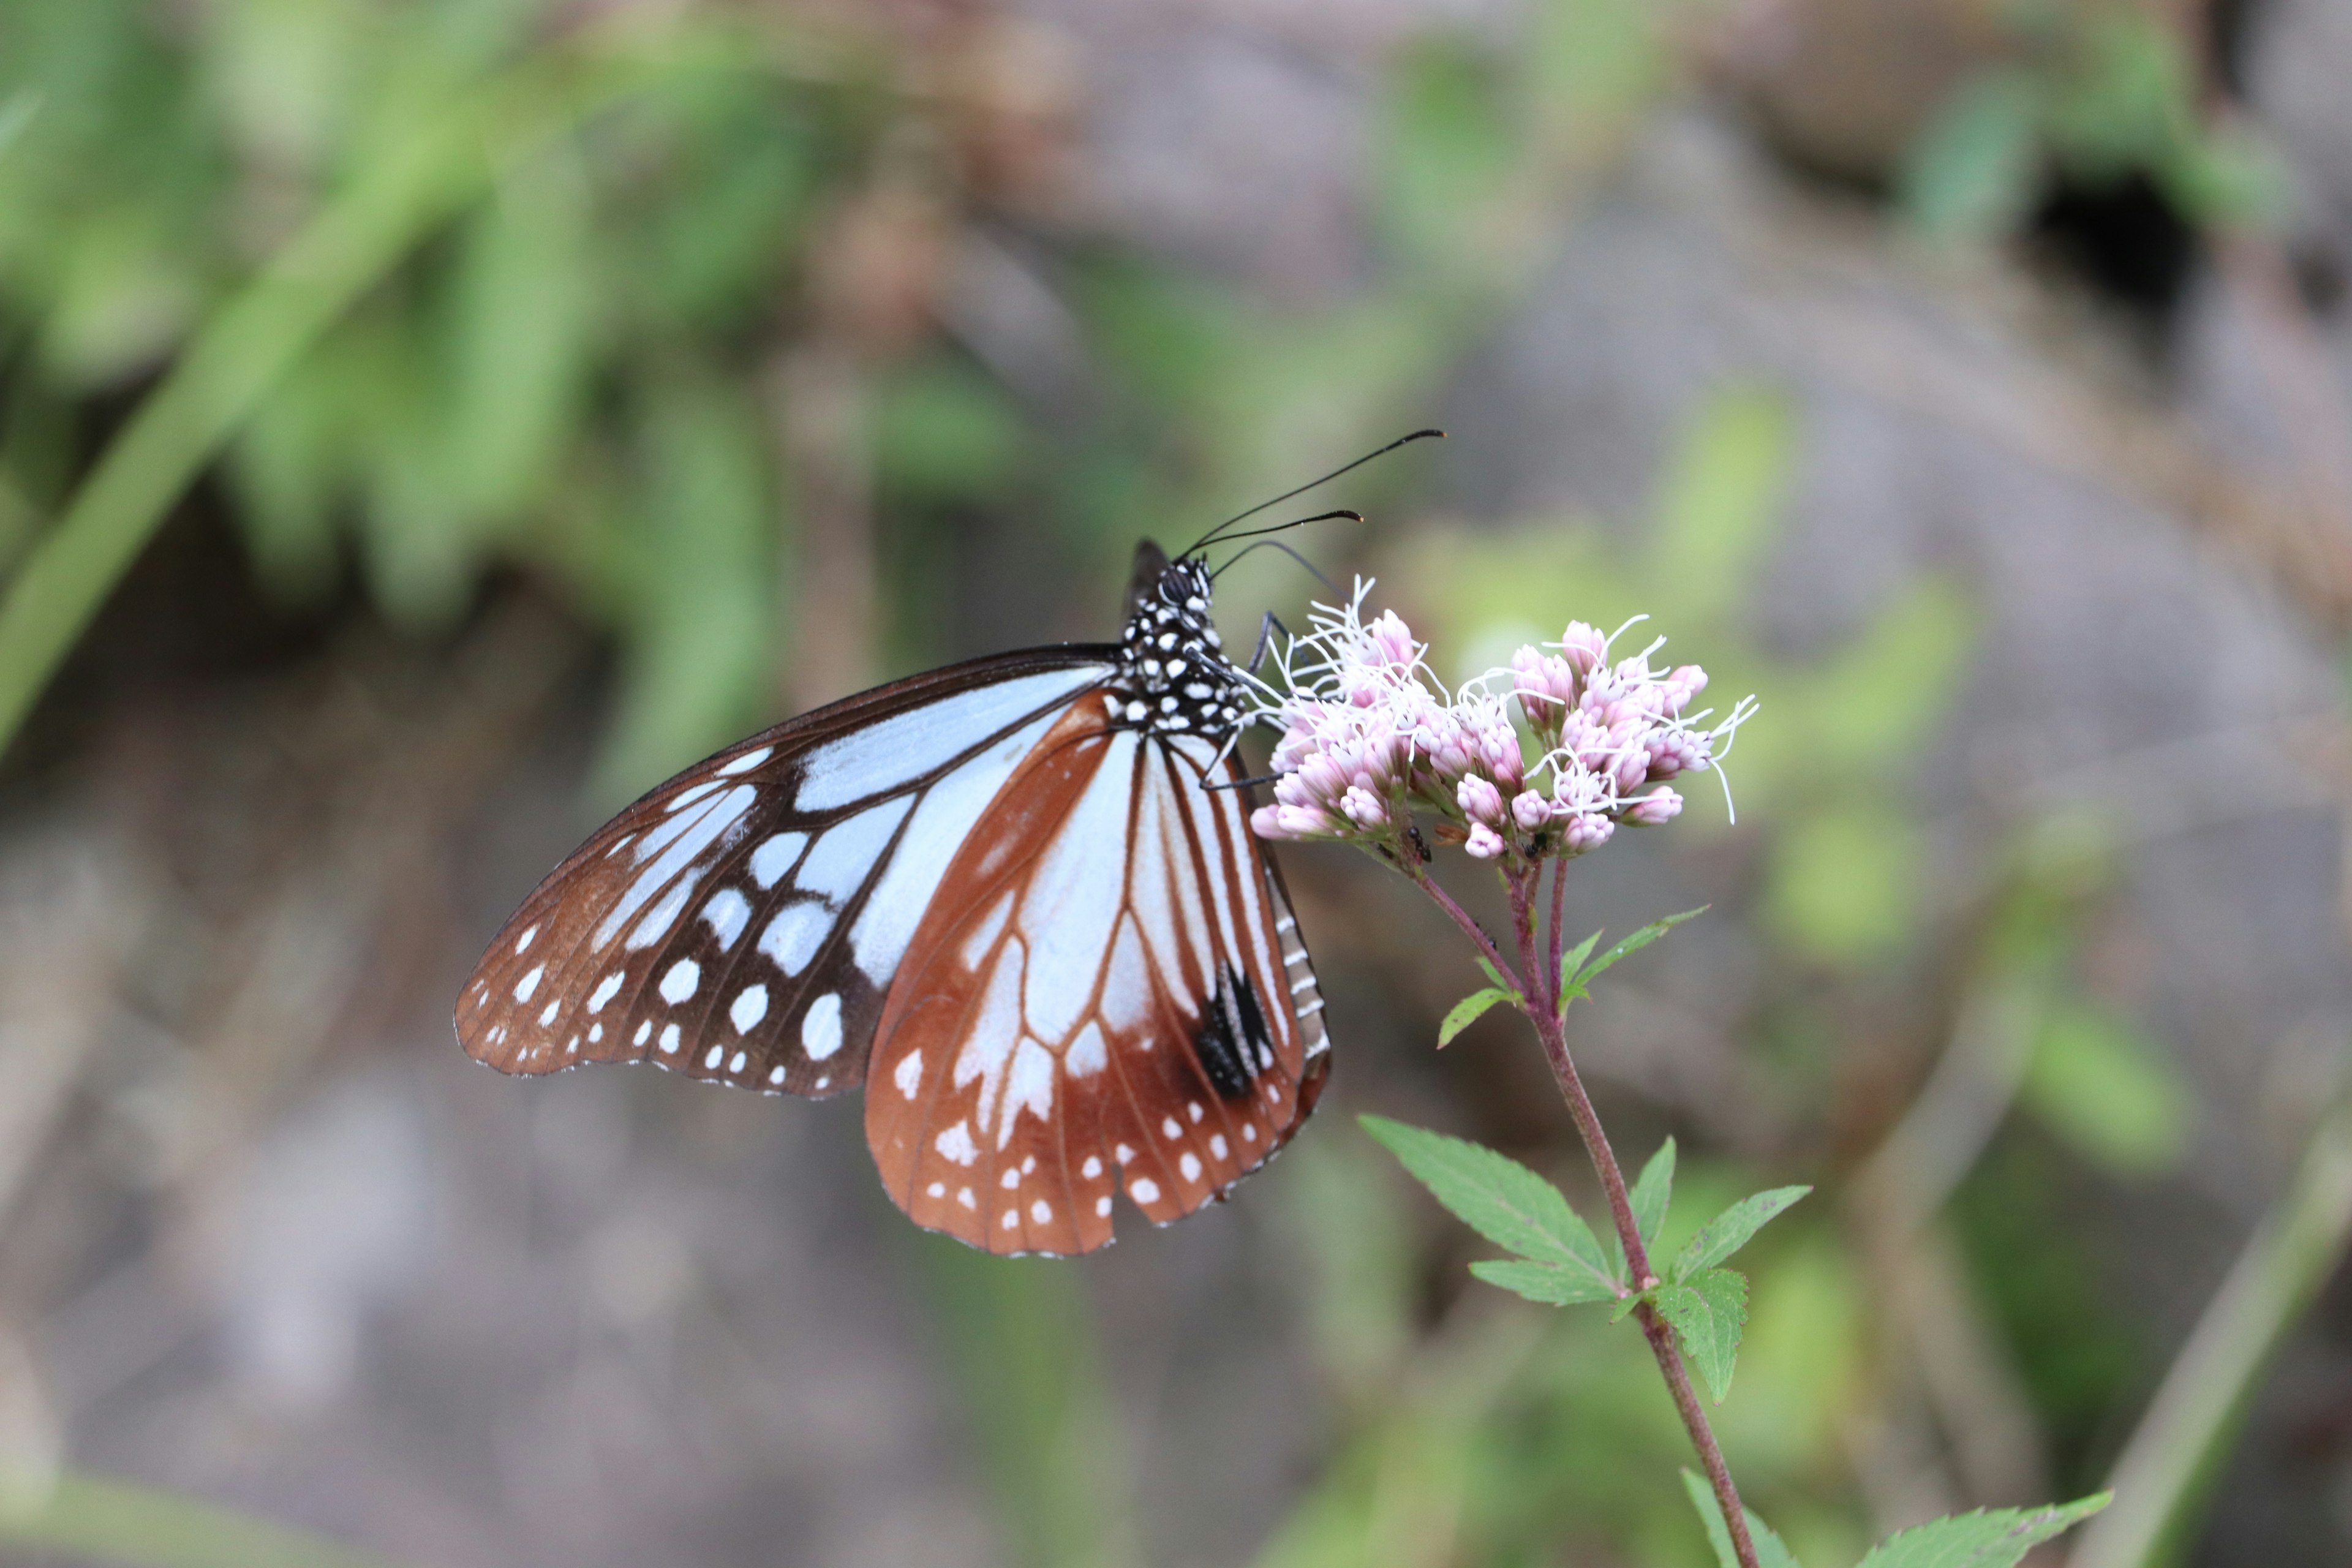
(1460, 917)
(1542, 1008)
(1559, 898)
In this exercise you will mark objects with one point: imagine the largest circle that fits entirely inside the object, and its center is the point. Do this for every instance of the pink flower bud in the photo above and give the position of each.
(1365, 809)
(1586, 833)
(1485, 843)
(1392, 642)
(1685, 683)
(1480, 801)
(1530, 810)
(1584, 647)
(1498, 749)
(1661, 805)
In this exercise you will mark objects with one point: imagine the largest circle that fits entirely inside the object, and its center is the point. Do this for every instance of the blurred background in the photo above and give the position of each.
(424, 424)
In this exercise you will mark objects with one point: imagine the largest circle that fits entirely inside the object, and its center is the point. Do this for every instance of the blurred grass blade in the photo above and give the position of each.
(356, 239)
(2166, 1469)
(155, 1529)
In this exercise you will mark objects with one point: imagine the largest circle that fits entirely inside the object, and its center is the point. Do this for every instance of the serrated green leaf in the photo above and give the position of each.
(1581, 980)
(1730, 1231)
(1770, 1552)
(1570, 961)
(1466, 1012)
(1708, 1312)
(1547, 1282)
(1994, 1538)
(1652, 1192)
(1495, 1195)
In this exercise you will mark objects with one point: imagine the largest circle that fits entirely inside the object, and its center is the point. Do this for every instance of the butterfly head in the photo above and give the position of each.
(1173, 676)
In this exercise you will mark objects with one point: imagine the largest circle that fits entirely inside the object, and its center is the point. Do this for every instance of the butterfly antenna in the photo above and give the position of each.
(1211, 537)
(1276, 544)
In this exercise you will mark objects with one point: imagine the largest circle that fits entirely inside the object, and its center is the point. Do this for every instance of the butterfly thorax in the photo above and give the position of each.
(1173, 676)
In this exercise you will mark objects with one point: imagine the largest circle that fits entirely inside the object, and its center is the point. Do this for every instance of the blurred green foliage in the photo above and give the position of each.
(2099, 93)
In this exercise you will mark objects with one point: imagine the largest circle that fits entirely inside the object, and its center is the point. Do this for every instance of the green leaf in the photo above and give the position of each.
(1496, 976)
(1584, 976)
(1495, 1196)
(1651, 1193)
(1708, 1312)
(1467, 1011)
(1573, 960)
(1730, 1231)
(1972, 172)
(1996, 1538)
(1546, 1282)
(1769, 1551)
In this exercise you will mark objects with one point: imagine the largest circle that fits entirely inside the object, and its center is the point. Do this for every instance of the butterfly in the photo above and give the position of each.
(1016, 898)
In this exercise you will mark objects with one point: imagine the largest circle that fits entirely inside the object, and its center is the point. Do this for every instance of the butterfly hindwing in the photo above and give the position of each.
(1109, 992)
(744, 921)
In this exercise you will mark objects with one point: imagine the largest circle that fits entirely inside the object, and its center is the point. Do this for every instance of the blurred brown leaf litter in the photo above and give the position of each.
(1969, 383)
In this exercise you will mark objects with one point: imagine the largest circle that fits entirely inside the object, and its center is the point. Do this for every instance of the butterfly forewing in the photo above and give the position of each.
(1107, 994)
(744, 921)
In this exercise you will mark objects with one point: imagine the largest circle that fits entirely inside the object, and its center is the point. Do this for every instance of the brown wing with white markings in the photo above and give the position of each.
(1109, 992)
(744, 922)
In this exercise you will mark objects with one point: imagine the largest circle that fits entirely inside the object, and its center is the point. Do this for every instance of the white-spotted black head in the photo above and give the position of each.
(1173, 676)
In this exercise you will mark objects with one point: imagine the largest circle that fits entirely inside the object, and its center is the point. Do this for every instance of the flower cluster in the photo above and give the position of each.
(1369, 735)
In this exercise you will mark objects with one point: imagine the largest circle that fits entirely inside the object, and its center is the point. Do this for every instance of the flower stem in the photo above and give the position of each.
(1542, 1008)
(1470, 927)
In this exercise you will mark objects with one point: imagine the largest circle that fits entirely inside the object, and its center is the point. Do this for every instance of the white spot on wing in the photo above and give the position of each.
(735, 1064)
(774, 856)
(820, 1027)
(1031, 1085)
(1145, 1189)
(751, 1005)
(1102, 1206)
(547, 1014)
(528, 982)
(1092, 1168)
(909, 1074)
(680, 982)
(1217, 1146)
(726, 912)
(664, 915)
(963, 1197)
(844, 855)
(605, 991)
(669, 1040)
(935, 1190)
(983, 936)
(795, 934)
(1190, 1165)
(523, 943)
(956, 1144)
(710, 1058)
(747, 762)
(1012, 1179)
(776, 1074)
(1041, 1211)
(1127, 989)
(1087, 1054)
